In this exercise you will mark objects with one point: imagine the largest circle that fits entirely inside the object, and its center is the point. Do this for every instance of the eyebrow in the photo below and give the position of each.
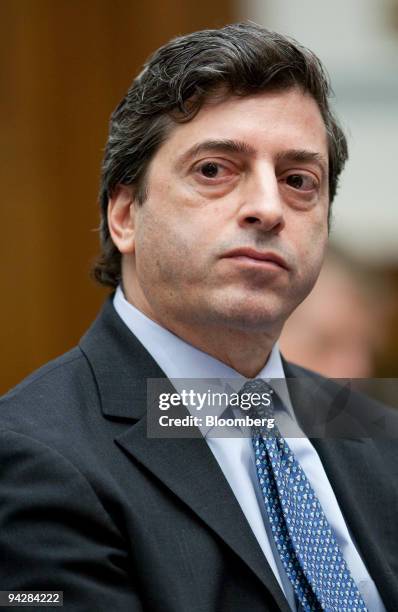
(220, 146)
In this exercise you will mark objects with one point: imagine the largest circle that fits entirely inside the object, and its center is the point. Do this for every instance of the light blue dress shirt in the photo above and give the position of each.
(180, 360)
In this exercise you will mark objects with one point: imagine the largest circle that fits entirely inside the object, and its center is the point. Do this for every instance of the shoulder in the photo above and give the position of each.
(352, 408)
(58, 375)
(56, 368)
(349, 390)
(51, 398)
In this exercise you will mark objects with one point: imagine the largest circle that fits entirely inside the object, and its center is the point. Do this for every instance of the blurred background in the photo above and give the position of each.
(64, 67)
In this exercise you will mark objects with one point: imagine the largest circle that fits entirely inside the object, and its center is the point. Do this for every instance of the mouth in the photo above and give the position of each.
(266, 259)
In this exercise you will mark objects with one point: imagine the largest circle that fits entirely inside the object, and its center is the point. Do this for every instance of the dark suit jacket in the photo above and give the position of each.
(121, 522)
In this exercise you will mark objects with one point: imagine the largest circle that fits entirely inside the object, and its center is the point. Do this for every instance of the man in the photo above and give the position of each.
(221, 165)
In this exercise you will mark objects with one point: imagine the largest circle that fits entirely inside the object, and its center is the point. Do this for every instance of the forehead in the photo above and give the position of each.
(268, 122)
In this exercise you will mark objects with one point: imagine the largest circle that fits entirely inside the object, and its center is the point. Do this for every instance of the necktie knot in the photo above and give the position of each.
(260, 396)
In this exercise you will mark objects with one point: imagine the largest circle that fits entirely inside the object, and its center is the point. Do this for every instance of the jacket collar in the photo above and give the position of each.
(120, 363)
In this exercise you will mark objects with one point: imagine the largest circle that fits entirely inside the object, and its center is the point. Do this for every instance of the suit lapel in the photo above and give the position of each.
(121, 366)
(188, 468)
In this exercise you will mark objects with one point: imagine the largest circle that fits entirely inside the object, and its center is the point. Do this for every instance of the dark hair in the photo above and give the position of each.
(239, 59)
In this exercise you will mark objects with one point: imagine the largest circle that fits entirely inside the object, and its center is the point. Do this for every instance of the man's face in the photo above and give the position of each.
(233, 230)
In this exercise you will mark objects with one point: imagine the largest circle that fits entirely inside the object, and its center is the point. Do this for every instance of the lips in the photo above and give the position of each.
(260, 256)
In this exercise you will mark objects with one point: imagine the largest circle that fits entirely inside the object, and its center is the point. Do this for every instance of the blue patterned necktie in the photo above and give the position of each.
(305, 541)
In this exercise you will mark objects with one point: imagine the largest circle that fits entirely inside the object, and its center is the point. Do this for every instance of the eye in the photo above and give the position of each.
(209, 169)
(215, 173)
(301, 182)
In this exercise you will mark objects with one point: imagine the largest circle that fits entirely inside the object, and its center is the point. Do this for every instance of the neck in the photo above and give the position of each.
(245, 351)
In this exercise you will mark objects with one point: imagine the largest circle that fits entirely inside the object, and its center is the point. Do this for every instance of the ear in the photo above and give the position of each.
(121, 218)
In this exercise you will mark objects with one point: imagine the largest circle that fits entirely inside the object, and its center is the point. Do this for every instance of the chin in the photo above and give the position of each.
(252, 315)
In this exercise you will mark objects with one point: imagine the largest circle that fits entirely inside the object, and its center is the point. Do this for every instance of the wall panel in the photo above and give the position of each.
(64, 66)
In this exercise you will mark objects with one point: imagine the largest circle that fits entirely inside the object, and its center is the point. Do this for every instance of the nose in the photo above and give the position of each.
(262, 205)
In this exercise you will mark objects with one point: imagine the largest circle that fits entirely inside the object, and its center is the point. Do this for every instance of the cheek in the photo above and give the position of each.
(314, 248)
(165, 248)
(310, 248)
(311, 235)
